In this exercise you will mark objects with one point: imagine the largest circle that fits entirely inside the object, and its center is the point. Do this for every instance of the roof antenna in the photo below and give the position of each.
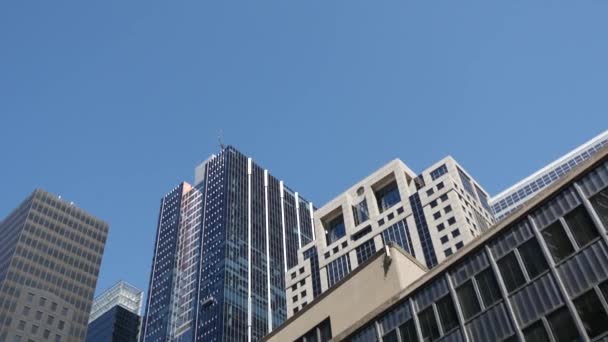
(220, 139)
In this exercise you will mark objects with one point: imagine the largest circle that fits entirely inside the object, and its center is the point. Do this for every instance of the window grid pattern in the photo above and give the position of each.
(338, 269)
(488, 318)
(438, 172)
(423, 231)
(399, 234)
(365, 250)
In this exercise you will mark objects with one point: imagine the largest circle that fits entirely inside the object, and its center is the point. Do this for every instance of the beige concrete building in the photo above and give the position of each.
(541, 274)
(430, 216)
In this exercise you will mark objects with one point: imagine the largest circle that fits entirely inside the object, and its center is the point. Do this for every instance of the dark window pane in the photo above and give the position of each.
(468, 300)
(510, 271)
(325, 330)
(335, 230)
(604, 288)
(408, 331)
(390, 337)
(557, 241)
(536, 333)
(488, 287)
(388, 196)
(591, 313)
(533, 258)
(581, 226)
(562, 326)
(600, 204)
(447, 313)
(428, 325)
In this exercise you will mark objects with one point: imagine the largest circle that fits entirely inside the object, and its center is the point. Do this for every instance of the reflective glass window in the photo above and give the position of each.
(591, 313)
(428, 325)
(562, 326)
(533, 258)
(447, 313)
(468, 299)
(557, 241)
(511, 272)
(488, 287)
(581, 226)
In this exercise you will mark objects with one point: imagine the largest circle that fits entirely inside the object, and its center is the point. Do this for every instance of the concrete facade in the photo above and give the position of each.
(541, 274)
(430, 216)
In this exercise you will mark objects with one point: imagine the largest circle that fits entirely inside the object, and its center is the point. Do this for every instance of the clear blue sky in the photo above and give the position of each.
(112, 103)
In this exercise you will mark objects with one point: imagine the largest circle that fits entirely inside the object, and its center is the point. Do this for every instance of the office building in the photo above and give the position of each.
(50, 252)
(513, 197)
(221, 252)
(116, 314)
(430, 216)
(541, 274)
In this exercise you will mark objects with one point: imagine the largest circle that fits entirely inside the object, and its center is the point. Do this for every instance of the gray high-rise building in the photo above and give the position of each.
(50, 252)
(221, 252)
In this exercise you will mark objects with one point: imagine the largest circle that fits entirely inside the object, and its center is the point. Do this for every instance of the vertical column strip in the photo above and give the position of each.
(200, 254)
(267, 250)
(297, 199)
(249, 308)
(282, 194)
(312, 221)
(465, 334)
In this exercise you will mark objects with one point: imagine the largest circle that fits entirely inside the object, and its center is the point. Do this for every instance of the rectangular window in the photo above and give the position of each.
(408, 332)
(360, 212)
(562, 326)
(581, 226)
(447, 313)
(438, 172)
(390, 337)
(591, 313)
(600, 204)
(387, 196)
(533, 258)
(336, 229)
(468, 300)
(536, 333)
(511, 272)
(488, 287)
(557, 241)
(428, 324)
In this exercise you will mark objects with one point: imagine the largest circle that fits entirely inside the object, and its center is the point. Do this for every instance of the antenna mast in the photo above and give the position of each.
(220, 139)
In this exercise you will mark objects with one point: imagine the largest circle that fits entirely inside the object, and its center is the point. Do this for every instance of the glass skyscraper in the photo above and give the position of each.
(222, 248)
(116, 314)
(50, 252)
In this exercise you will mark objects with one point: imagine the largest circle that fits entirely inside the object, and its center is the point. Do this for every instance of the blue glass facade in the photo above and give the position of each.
(423, 231)
(249, 231)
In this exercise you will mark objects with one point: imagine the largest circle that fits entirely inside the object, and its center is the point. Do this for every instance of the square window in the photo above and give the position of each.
(562, 326)
(592, 315)
(451, 221)
(459, 245)
(533, 258)
(400, 210)
(535, 332)
(468, 300)
(440, 185)
(380, 222)
(436, 215)
(557, 241)
(429, 192)
(456, 232)
(444, 239)
(390, 216)
(440, 227)
(488, 287)
(447, 209)
(448, 252)
(582, 227)
(433, 203)
(443, 197)
(511, 272)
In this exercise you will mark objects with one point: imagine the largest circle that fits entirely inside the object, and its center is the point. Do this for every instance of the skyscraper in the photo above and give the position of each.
(50, 252)
(116, 314)
(515, 196)
(430, 216)
(221, 252)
